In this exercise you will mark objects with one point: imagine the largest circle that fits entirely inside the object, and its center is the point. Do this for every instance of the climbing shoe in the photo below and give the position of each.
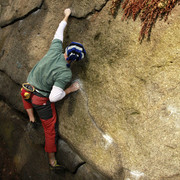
(57, 167)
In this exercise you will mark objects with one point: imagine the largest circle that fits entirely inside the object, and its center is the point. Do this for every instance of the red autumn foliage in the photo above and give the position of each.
(148, 11)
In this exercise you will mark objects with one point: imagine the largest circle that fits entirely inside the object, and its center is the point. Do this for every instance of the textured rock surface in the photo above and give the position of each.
(11, 10)
(25, 154)
(84, 7)
(124, 122)
(25, 142)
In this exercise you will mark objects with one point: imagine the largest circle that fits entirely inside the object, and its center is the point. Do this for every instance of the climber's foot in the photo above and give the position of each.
(57, 167)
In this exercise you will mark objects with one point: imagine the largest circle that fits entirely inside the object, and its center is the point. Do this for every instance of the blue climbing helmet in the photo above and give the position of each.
(75, 52)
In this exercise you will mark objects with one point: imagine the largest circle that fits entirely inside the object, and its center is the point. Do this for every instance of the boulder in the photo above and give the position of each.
(124, 121)
(84, 8)
(11, 10)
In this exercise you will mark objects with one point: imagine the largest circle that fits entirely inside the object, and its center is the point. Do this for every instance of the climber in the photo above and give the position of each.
(46, 84)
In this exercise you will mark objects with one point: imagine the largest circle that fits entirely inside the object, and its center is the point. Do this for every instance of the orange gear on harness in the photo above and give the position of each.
(26, 90)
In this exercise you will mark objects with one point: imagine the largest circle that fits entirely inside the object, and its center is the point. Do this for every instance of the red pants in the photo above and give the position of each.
(47, 114)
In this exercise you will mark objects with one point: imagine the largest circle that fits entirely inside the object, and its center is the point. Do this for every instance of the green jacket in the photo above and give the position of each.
(50, 70)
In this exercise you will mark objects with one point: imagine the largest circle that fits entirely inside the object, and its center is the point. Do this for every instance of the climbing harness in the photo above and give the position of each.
(27, 90)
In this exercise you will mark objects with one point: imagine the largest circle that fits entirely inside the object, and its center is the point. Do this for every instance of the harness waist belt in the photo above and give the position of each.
(40, 90)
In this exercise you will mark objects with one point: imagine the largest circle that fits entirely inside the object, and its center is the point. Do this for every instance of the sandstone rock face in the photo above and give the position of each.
(84, 7)
(124, 121)
(25, 143)
(11, 10)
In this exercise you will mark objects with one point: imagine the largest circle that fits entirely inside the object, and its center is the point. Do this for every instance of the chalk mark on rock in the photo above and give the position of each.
(109, 140)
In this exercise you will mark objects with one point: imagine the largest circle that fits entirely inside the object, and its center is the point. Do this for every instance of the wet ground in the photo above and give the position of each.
(7, 168)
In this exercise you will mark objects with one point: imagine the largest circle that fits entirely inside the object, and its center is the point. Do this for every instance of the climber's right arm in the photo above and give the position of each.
(60, 31)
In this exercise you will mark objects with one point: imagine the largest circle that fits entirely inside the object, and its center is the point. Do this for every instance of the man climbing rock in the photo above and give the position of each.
(46, 85)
